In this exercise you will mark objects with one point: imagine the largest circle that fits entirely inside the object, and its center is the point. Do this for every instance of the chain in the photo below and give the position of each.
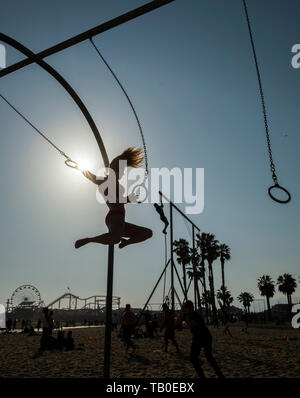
(129, 101)
(272, 165)
(35, 128)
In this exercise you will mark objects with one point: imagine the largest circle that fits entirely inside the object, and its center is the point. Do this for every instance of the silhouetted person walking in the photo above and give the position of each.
(225, 318)
(128, 325)
(169, 326)
(202, 338)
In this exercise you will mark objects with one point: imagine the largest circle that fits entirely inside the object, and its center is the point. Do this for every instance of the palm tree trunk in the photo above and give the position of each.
(198, 295)
(290, 301)
(184, 281)
(269, 308)
(212, 289)
(223, 273)
(202, 265)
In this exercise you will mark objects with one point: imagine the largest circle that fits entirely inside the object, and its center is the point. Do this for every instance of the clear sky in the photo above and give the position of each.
(189, 70)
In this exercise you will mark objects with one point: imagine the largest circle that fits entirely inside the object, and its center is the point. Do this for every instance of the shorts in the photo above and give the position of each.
(112, 212)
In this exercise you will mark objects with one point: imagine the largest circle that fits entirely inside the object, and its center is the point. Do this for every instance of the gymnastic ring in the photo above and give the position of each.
(71, 163)
(141, 186)
(277, 186)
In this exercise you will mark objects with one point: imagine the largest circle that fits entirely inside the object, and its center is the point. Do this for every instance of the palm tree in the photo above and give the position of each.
(223, 294)
(195, 274)
(201, 244)
(266, 287)
(182, 249)
(207, 300)
(246, 299)
(211, 254)
(224, 252)
(287, 285)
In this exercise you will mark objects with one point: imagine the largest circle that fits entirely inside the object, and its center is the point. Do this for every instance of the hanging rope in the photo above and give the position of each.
(264, 111)
(165, 275)
(129, 101)
(69, 162)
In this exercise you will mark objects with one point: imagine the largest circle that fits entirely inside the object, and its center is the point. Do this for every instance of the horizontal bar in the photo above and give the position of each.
(175, 207)
(86, 35)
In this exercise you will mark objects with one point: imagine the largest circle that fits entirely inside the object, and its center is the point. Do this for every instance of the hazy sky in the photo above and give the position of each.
(189, 70)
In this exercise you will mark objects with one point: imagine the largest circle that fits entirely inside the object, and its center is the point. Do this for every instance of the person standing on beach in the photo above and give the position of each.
(114, 321)
(225, 318)
(45, 323)
(169, 326)
(50, 322)
(202, 338)
(128, 325)
(38, 326)
(246, 321)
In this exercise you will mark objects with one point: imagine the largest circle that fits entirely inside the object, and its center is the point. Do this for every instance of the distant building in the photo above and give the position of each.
(280, 309)
(235, 310)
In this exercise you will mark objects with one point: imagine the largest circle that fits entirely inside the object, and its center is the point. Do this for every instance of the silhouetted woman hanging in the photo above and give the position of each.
(115, 219)
(160, 211)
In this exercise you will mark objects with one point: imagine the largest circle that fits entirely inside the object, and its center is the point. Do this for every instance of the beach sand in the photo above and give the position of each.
(262, 353)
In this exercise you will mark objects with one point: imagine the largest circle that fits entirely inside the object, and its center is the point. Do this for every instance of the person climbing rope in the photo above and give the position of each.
(159, 209)
(115, 219)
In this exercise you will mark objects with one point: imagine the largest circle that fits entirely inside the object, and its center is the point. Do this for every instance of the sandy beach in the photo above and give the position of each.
(262, 353)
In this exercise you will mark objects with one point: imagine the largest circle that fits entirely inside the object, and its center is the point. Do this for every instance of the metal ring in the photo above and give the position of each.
(141, 186)
(71, 163)
(277, 186)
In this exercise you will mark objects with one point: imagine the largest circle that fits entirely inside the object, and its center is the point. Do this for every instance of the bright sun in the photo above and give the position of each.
(83, 164)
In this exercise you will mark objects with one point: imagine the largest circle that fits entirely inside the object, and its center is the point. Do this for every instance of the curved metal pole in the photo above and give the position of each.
(24, 50)
(18, 46)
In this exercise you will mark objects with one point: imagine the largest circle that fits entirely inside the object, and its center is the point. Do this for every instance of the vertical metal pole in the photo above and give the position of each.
(194, 269)
(172, 257)
(153, 291)
(108, 317)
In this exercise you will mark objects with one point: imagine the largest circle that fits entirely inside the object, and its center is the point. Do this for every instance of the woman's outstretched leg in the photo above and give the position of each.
(135, 234)
(212, 361)
(116, 227)
(104, 239)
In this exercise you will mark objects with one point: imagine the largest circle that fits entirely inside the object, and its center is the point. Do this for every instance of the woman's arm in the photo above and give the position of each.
(90, 176)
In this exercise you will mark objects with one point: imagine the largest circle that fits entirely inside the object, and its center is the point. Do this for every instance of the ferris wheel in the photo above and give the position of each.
(26, 296)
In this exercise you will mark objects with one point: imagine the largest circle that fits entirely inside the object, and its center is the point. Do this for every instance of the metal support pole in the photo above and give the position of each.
(180, 303)
(86, 35)
(155, 287)
(180, 283)
(195, 271)
(108, 317)
(172, 257)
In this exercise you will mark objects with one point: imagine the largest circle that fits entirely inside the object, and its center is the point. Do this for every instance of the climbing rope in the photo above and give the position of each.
(264, 111)
(165, 275)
